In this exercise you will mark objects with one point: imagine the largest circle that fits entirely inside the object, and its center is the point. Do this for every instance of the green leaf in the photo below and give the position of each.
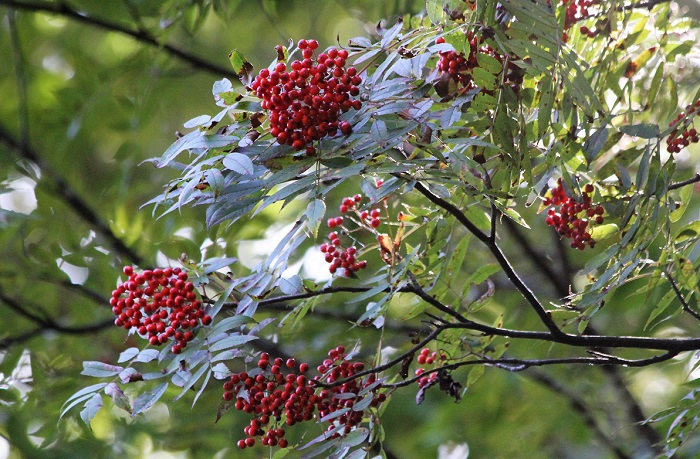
(128, 354)
(240, 163)
(379, 132)
(595, 143)
(80, 396)
(231, 341)
(643, 131)
(239, 63)
(193, 380)
(489, 63)
(93, 405)
(149, 398)
(544, 110)
(119, 399)
(315, 212)
(689, 231)
(474, 375)
(603, 232)
(100, 369)
(229, 323)
(291, 285)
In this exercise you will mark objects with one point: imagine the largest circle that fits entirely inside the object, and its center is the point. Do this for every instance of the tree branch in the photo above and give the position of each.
(518, 365)
(495, 250)
(690, 181)
(679, 295)
(68, 194)
(676, 345)
(140, 35)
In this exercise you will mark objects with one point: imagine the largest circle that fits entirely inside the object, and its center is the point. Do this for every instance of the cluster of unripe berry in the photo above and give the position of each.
(160, 304)
(578, 10)
(306, 100)
(460, 66)
(684, 135)
(571, 218)
(280, 393)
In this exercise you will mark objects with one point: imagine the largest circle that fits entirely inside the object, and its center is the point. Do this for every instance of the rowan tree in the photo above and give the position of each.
(503, 186)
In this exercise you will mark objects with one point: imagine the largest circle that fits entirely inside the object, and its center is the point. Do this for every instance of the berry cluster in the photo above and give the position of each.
(578, 10)
(459, 66)
(271, 396)
(683, 135)
(341, 258)
(159, 304)
(306, 102)
(345, 258)
(425, 357)
(573, 218)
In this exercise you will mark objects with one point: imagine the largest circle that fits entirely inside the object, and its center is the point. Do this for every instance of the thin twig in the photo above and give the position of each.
(679, 295)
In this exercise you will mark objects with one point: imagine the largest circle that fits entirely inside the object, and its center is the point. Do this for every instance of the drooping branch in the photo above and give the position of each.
(66, 192)
(140, 35)
(561, 282)
(538, 259)
(496, 251)
(684, 304)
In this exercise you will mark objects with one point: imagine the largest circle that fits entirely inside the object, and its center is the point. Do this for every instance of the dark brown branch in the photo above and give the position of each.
(385, 366)
(561, 284)
(495, 250)
(47, 323)
(679, 295)
(140, 35)
(588, 341)
(69, 195)
(518, 365)
(690, 181)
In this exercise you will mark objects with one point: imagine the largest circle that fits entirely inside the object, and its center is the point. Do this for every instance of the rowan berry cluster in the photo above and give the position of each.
(306, 101)
(341, 258)
(683, 135)
(160, 304)
(425, 357)
(578, 10)
(573, 218)
(275, 399)
(459, 66)
(346, 258)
